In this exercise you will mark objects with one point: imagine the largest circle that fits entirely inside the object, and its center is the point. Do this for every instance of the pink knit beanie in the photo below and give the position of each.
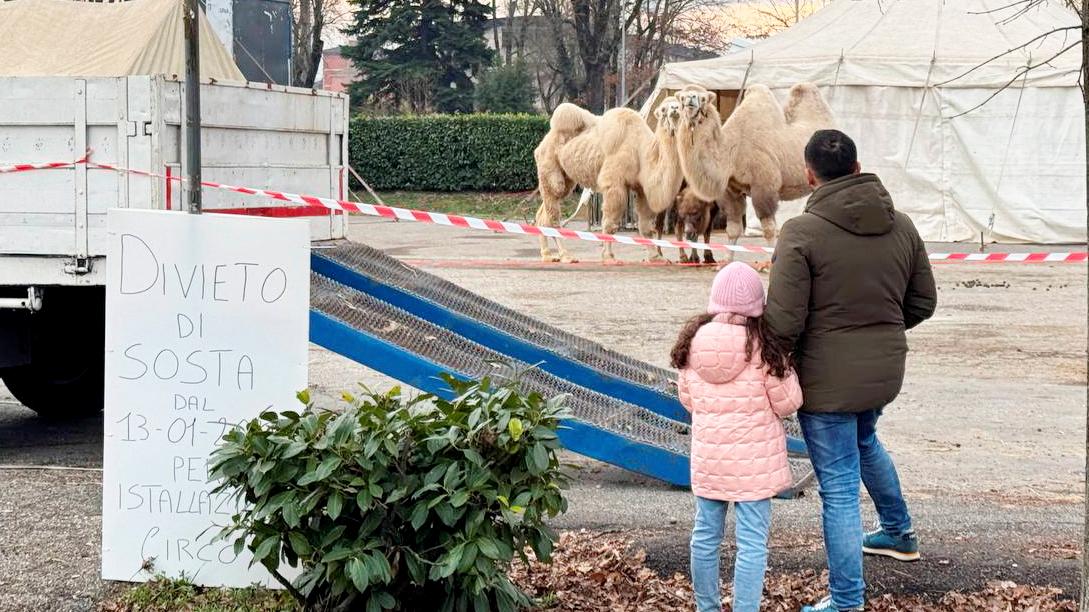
(737, 290)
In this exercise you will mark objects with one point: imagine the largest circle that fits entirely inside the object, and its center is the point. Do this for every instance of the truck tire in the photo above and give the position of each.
(54, 394)
(65, 376)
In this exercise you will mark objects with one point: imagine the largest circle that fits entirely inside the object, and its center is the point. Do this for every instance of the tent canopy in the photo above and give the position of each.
(66, 38)
(903, 43)
(921, 85)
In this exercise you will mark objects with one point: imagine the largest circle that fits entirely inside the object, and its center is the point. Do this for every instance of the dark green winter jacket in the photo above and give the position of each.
(850, 275)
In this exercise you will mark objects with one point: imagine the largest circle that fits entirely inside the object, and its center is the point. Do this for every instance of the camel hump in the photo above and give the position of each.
(806, 104)
(758, 111)
(571, 120)
(622, 116)
(618, 127)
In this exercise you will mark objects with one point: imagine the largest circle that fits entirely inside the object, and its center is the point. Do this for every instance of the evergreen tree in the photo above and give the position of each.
(506, 89)
(418, 55)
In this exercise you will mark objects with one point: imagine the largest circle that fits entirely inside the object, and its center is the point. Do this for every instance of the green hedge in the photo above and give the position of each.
(481, 152)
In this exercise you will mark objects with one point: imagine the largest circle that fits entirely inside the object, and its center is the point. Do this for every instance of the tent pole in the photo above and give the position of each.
(835, 77)
(191, 18)
(1006, 153)
(919, 111)
(745, 79)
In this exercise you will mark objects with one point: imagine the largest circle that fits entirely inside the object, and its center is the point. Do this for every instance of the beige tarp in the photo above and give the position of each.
(67, 38)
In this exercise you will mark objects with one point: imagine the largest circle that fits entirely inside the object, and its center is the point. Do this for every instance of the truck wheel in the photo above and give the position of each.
(65, 376)
(54, 393)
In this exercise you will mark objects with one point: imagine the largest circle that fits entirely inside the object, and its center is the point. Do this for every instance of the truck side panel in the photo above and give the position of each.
(49, 120)
(264, 138)
(259, 136)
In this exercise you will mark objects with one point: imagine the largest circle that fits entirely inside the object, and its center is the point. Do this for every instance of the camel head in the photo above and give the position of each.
(698, 105)
(668, 114)
(694, 214)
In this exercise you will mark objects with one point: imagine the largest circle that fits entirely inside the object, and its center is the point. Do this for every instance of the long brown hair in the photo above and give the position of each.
(775, 357)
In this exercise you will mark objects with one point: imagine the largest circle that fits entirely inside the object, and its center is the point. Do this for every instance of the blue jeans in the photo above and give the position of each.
(751, 531)
(844, 449)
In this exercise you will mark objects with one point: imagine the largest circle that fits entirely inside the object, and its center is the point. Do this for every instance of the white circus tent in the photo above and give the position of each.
(902, 76)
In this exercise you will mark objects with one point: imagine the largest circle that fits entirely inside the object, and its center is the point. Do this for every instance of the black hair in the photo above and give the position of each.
(831, 154)
(776, 358)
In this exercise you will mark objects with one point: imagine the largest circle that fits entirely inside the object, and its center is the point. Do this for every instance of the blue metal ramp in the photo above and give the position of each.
(412, 326)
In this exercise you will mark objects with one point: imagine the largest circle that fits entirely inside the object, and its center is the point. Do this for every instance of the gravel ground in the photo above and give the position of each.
(988, 433)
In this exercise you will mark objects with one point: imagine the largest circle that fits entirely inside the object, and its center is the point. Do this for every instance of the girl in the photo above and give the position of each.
(737, 383)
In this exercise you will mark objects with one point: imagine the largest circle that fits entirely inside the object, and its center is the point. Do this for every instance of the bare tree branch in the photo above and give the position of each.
(1002, 8)
(1005, 53)
(778, 15)
(1019, 74)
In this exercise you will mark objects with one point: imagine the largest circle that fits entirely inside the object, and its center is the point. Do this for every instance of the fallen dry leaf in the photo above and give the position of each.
(603, 573)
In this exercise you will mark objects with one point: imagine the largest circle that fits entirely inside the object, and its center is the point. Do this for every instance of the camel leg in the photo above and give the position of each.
(766, 203)
(647, 228)
(733, 204)
(708, 256)
(682, 257)
(612, 212)
(659, 226)
(548, 215)
(541, 218)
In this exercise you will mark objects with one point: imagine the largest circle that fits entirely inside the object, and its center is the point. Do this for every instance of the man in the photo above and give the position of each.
(850, 275)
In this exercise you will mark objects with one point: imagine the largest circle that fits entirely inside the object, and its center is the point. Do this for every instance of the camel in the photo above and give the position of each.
(696, 216)
(758, 152)
(568, 121)
(611, 155)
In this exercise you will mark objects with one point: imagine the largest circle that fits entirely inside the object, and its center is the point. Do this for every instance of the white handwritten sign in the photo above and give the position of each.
(206, 327)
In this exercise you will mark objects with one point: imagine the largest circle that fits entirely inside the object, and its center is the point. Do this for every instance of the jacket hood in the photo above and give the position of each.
(858, 204)
(717, 354)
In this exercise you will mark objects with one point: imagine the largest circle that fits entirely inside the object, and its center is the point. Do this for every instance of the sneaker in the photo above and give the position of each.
(902, 548)
(825, 605)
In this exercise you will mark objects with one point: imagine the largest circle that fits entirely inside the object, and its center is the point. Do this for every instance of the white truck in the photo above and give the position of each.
(53, 222)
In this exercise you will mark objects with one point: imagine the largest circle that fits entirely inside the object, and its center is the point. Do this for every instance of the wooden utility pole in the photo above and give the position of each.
(1085, 104)
(622, 60)
(192, 106)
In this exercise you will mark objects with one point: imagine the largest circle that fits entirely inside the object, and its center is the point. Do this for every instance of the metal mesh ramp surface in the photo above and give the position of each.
(353, 293)
(369, 315)
(383, 268)
(376, 264)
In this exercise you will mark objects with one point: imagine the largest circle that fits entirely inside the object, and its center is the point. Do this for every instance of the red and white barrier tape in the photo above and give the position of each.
(25, 167)
(314, 205)
(392, 212)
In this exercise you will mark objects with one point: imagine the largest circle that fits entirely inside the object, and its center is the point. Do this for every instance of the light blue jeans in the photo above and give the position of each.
(753, 522)
(844, 449)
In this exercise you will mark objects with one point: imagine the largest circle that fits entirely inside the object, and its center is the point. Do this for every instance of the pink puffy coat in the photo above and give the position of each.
(738, 440)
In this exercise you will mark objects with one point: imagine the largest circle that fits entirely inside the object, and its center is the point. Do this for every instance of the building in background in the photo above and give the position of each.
(337, 71)
(257, 34)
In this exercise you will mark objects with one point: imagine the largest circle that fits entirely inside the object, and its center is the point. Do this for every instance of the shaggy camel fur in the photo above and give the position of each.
(554, 184)
(696, 216)
(758, 152)
(610, 155)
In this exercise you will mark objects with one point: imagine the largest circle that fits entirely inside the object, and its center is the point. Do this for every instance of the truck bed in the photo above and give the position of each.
(52, 222)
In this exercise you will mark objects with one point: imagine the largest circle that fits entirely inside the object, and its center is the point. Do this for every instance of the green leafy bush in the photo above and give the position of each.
(506, 89)
(398, 503)
(482, 152)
